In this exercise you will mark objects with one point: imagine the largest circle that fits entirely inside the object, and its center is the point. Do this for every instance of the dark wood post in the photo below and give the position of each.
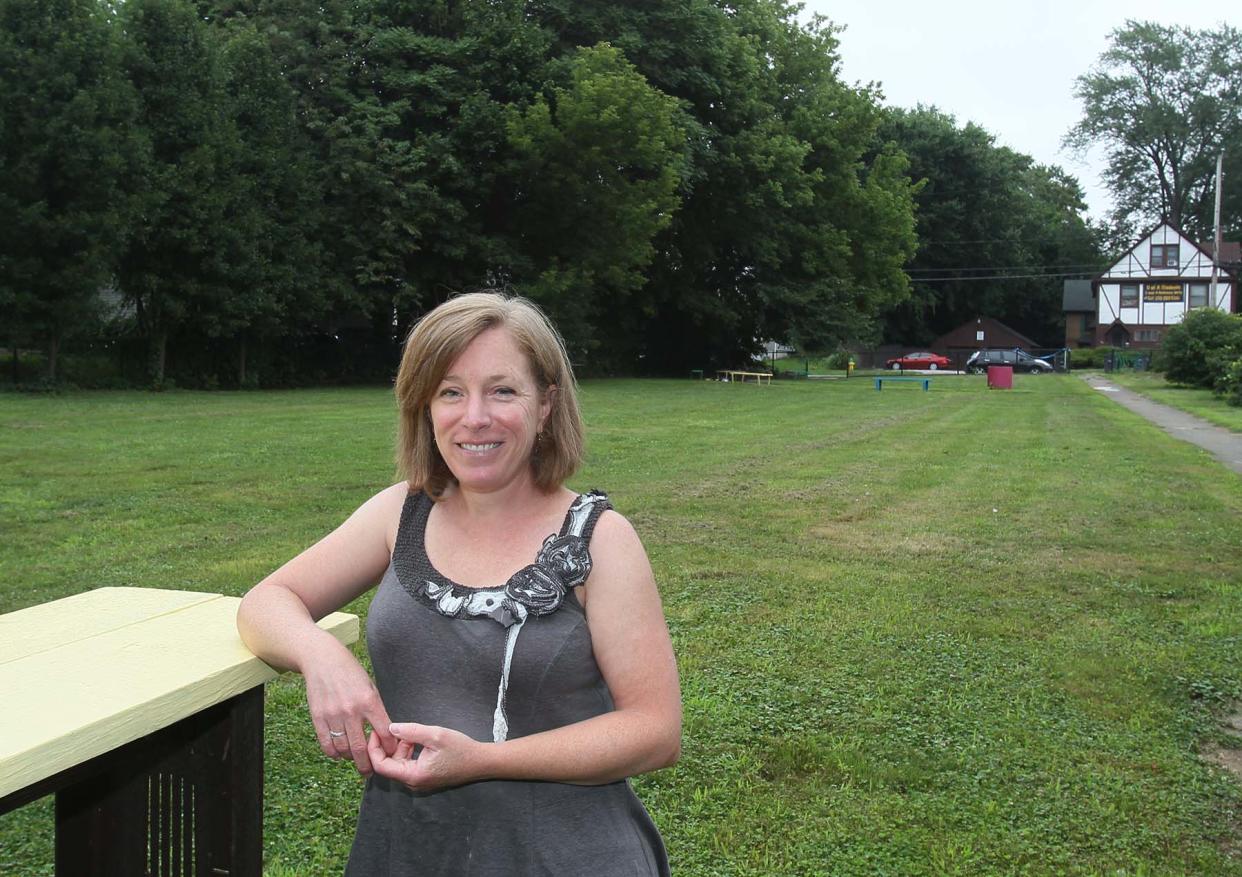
(186, 801)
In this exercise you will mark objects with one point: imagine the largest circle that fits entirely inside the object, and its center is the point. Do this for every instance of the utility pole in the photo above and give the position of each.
(1216, 246)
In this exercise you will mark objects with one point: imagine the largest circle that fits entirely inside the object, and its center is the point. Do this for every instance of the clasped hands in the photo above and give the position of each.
(422, 757)
(343, 701)
(427, 757)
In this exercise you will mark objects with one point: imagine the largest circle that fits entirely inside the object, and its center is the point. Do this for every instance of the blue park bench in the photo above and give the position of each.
(926, 382)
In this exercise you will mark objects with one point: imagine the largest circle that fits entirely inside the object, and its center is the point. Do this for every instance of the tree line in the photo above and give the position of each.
(1164, 102)
(243, 191)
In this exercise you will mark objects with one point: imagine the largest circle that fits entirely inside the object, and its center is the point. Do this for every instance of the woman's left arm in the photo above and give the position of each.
(634, 653)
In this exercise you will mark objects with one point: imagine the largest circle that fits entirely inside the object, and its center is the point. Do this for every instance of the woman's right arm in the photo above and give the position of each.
(277, 618)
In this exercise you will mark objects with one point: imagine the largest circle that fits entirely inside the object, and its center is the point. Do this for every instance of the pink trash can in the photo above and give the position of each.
(1000, 377)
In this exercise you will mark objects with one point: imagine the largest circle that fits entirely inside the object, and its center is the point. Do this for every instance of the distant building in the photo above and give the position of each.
(774, 350)
(1150, 288)
(1078, 303)
(977, 334)
(1230, 256)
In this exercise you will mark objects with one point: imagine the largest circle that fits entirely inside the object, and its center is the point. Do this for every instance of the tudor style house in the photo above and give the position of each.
(1151, 287)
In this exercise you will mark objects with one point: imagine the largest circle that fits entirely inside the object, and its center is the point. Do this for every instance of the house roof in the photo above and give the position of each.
(1205, 250)
(1230, 252)
(990, 326)
(1076, 296)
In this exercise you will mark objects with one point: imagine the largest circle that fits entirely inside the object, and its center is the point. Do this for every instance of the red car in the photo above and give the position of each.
(922, 360)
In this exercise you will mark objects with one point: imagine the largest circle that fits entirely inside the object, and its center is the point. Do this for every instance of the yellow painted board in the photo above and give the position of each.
(72, 703)
(48, 625)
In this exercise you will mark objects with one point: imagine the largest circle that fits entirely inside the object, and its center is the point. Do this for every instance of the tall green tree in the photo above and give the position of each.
(597, 163)
(361, 187)
(997, 232)
(269, 262)
(699, 184)
(67, 152)
(405, 107)
(778, 233)
(170, 270)
(1164, 101)
(445, 76)
(458, 149)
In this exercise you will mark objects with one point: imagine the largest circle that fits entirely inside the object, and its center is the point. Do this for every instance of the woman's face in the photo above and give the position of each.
(487, 411)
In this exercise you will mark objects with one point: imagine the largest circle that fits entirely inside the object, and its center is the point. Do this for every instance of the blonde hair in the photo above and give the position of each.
(434, 344)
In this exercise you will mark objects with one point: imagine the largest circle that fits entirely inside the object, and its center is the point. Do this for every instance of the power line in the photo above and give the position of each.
(999, 277)
(1064, 268)
(992, 241)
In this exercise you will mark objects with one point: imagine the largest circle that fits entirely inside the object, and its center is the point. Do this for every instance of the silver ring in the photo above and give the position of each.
(336, 735)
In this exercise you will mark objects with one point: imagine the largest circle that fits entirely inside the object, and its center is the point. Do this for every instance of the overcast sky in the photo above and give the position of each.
(1009, 68)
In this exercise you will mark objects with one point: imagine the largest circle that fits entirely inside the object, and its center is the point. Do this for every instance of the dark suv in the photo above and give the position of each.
(1019, 359)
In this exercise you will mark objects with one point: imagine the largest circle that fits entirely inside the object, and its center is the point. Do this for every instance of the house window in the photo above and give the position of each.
(1129, 295)
(1152, 335)
(1198, 295)
(1164, 255)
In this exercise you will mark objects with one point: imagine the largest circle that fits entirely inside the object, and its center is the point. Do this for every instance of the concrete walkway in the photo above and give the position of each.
(1223, 444)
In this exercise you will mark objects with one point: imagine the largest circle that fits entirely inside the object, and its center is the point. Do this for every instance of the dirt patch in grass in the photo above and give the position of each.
(1221, 756)
(1229, 759)
(1233, 722)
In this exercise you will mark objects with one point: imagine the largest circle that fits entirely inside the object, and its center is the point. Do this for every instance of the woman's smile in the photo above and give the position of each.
(478, 448)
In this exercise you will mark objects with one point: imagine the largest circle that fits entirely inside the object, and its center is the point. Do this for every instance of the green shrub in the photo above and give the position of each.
(1199, 349)
(814, 363)
(1230, 383)
(1090, 357)
(839, 360)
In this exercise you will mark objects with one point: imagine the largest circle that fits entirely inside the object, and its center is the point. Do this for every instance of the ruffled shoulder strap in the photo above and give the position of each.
(582, 516)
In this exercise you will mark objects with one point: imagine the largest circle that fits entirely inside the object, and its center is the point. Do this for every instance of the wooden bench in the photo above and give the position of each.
(880, 381)
(739, 377)
(142, 711)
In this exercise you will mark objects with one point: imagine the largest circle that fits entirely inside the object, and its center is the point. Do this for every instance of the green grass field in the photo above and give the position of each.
(957, 632)
(1200, 402)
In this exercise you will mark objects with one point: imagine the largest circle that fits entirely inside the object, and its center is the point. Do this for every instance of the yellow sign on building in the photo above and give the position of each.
(1163, 292)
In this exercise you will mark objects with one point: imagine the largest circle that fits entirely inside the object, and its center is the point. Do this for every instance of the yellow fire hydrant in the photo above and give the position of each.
(849, 367)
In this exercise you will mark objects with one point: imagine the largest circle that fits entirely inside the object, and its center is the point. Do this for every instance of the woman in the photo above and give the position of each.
(522, 662)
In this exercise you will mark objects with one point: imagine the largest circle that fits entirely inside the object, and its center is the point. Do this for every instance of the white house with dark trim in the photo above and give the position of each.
(1153, 285)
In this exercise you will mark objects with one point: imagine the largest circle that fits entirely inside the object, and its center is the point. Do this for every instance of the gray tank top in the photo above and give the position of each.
(495, 663)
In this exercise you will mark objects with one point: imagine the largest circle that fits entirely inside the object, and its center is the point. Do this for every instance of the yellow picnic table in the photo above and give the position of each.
(142, 711)
(738, 377)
